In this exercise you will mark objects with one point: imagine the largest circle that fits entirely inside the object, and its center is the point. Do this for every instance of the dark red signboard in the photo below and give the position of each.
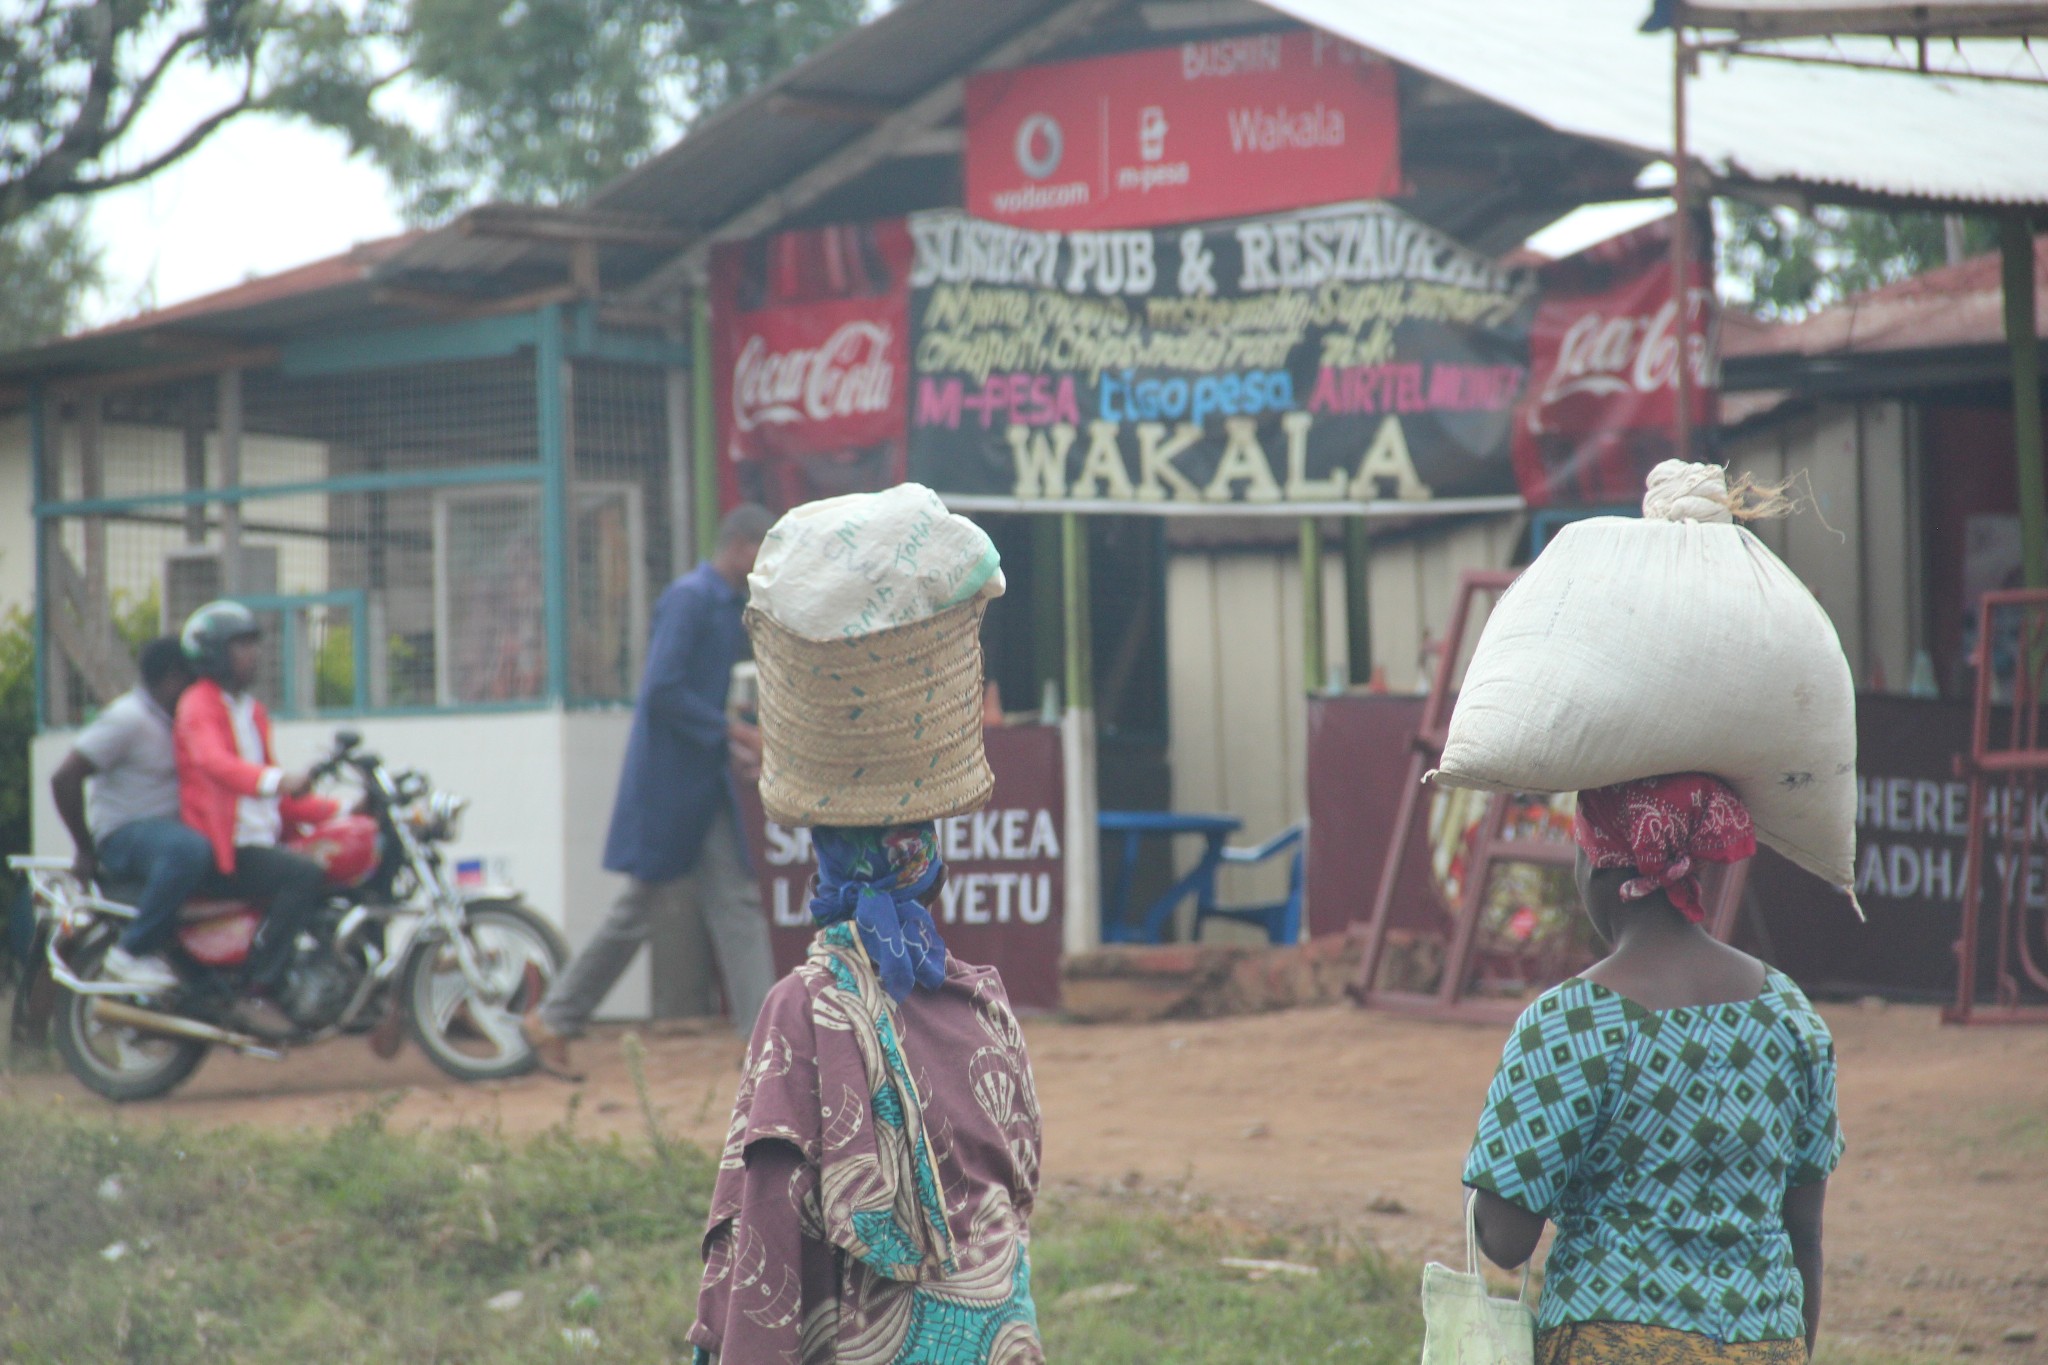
(1004, 895)
(810, 362)
(1213, 129)
(1603, 365)
(1911, 827)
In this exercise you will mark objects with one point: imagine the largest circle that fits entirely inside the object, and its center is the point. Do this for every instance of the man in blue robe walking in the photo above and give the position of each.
(675, 827)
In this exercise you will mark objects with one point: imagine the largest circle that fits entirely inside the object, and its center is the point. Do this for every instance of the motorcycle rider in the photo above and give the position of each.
(232, 791)
(126, 822)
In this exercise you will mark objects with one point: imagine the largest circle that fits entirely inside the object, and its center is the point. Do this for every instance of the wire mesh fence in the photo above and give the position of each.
(388, 526)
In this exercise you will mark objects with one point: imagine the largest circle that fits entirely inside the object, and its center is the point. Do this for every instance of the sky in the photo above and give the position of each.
(262, 195)
(266, 194)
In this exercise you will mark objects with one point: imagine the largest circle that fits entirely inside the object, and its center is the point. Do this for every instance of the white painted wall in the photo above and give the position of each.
(540, 786)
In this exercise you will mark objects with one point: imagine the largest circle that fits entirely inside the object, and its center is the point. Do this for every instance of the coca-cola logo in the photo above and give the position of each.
(850, 375)
(1613, 355)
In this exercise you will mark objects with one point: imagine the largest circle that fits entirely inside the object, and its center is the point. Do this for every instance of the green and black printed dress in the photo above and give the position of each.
(1661, 1144)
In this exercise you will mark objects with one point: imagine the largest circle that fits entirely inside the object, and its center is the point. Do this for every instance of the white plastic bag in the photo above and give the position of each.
(1462, 1324)
(846, 567)
(1632, 648)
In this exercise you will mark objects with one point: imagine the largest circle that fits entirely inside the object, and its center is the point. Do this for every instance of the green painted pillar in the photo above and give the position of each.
(552, 416)
(1313, 671)
(1358, 597)
(2016, 240)
(1048, 622)
(703, 431)
(1079, 651)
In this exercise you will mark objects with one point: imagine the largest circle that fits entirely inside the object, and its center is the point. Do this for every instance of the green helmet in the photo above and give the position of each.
(210, 630)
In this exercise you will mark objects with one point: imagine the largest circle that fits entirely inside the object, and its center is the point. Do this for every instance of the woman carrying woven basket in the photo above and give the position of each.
(1672, 1111)
(873, 1199)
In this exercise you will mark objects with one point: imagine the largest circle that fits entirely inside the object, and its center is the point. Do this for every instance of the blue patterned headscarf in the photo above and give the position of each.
(875, 876)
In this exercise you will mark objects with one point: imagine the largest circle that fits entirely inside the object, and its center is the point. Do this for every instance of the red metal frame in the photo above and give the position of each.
(2010, 763)
(1431, 733)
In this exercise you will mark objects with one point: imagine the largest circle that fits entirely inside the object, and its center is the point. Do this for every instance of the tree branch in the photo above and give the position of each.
(200, 131)
(86, 137)
(146, 87)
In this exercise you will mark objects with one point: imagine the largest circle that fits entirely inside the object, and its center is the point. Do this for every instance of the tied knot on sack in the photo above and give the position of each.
(1677, 491)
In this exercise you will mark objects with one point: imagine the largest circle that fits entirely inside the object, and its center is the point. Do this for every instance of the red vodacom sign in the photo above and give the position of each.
(1215, 129)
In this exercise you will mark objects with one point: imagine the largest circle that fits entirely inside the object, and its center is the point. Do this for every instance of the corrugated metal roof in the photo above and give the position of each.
(1794, 18)
(754, 145)
(1956, 305)
(1581, 67)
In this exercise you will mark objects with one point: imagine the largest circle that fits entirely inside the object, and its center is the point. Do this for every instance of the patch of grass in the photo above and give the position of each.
(1173, 1300)
(160, 1245)
(367, 1244)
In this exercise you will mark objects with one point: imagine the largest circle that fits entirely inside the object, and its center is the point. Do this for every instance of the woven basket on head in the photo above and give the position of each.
(880, 730)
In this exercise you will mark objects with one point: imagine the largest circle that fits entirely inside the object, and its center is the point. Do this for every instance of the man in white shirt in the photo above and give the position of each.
(117, 792)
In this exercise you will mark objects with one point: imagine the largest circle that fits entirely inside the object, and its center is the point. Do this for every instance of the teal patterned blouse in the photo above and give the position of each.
(1661, 1143)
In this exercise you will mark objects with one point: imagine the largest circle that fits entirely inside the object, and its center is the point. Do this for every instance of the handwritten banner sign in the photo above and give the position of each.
(1339, 356)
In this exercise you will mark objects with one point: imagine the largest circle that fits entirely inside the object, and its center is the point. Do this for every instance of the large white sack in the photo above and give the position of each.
(1630, 649)
(846, 567)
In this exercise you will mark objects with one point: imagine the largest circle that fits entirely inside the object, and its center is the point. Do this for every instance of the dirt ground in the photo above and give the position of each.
(1937, 1229)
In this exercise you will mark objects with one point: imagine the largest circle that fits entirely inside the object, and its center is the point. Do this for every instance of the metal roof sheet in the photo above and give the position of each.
(1582, 67)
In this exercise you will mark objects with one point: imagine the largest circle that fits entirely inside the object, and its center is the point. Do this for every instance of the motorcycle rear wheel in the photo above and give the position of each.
(476, 1040)
(121, 1063)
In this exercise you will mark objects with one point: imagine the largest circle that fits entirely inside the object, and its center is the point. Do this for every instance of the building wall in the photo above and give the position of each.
(1858, 545)
(540, 787)
(1234, 669)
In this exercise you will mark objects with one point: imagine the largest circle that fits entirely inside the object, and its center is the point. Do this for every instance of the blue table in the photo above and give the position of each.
(1134, 825)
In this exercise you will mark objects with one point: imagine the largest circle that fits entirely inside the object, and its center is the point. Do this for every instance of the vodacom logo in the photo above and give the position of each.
(847, 376)
(1610, 355)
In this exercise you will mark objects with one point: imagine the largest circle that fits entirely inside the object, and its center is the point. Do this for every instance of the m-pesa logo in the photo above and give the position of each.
(849, 375)
(1183, 134)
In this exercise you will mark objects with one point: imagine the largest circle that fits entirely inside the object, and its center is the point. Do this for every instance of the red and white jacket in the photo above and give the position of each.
(213, 777)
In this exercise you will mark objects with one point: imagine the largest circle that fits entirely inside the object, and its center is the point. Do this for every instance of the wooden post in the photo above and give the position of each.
(2016, 243)
(1312, 669)
(92, 484)
(1358, 597)
(194, 433)
(1681, 249)
(228, 422)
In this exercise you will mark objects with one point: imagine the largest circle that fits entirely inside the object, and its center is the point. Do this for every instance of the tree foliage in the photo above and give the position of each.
(548, 99)
(47, 265)
(77, 78)
(1782, 264)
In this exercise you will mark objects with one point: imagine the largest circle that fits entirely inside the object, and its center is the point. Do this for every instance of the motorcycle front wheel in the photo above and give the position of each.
(115, 1060)
(470, 1037)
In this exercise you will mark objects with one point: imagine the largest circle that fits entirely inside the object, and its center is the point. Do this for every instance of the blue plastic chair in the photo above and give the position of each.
(1282, 919)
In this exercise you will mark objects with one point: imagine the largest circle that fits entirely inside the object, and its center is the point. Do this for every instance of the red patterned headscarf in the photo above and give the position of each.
(1660, 826)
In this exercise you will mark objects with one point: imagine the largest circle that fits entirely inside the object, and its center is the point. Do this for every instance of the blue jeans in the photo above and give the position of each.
(169, 859)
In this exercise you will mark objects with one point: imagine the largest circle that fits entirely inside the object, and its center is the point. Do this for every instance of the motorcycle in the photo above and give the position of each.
(459, 965)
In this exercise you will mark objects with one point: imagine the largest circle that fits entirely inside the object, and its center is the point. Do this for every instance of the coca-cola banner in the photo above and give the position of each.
(810, 362)
(1342, 355)
(1603, 360)
(1208, 129)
